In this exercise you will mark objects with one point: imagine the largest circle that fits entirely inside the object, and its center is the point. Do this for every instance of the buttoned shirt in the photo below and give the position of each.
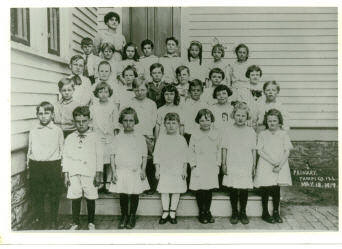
(45, 143)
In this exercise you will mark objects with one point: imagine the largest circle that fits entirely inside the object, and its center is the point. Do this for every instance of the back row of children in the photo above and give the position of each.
(113, 86)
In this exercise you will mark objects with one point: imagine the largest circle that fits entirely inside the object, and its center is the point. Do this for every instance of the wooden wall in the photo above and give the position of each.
(297, 47)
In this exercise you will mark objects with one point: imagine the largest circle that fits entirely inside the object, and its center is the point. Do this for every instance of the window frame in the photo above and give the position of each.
(14, 26)
(49, 36)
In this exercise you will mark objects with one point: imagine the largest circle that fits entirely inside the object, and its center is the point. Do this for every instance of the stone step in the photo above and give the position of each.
(150, 205)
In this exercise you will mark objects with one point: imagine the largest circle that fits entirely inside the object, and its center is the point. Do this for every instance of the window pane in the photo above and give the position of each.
(20, 25)
(53, 31)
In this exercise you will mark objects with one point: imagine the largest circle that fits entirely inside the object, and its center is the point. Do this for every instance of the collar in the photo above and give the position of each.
(83, 135)
(49, 125)
(170, 55)
(65, 102)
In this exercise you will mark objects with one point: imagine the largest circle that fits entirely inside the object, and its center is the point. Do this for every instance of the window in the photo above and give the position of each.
(20, 25)
(53, 31)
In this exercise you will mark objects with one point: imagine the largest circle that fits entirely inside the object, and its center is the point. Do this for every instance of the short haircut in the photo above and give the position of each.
(146, 42)
(216, 70)
(220, 88)
(217, 47)
(76, 58)
(65, 81)
(253, 68)
(241, 45)
(100, 86)
(172, 38)
(204, 112)
(86, 41)
(272, 82)
(156, 65)
(136, 54)
(130, 67)
(194, 83)
(172, 116)
(170, 88)
(128, 111)
(273, 112)
(137, 82)
(47, 106)
(241, 106)
(104, 63)
(110, 15)
(107, 45)
(81, 111)
(199, 45)
(181, 68)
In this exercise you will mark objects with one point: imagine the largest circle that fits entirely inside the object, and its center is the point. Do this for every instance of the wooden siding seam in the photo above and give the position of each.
(87, 17)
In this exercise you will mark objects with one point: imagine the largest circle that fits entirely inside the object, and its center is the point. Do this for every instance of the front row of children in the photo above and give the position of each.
(234, 151)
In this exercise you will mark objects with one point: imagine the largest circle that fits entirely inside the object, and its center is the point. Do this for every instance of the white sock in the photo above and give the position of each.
(165, 199)
(174, 204)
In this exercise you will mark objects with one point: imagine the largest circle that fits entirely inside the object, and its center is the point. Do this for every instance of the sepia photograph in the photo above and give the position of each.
(174, 119)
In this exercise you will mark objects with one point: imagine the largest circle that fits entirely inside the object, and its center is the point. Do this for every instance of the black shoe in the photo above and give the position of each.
(123, 222)
(268, 218)
(243, 218)
(131, 222)
(202, 218)
(173, 220)
(277, 217)
(234, 219)
(162, 220)
(210, 218)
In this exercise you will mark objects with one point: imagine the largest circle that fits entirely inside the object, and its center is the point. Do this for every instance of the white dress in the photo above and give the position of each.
(197, 71)
(222, 114)
(129, 149)
(264, 107)
(171, 153)
(104, 120)
(238, 73)
(205, 153)
(239, 142)
(225, 67)
(191, 108)
(165, 109)
(274, 145)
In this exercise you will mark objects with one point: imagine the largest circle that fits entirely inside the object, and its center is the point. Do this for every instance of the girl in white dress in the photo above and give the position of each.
(273, 169)
(195, 63)
(205, 162)
(239, 67)
(104, 114)
(217, 53)
(170, 102)
(170, 159)
(216, 76)
(238, 161)
(128, 161)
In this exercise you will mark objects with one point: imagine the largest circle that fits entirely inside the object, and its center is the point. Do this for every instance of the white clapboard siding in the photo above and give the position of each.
(84, 24)
(296, 46)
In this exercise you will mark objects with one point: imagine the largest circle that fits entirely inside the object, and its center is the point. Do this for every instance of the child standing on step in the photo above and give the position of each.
(205, 162)
(183, 76)
(148, 58)
(195, 63)
(238, 161)
(82, 166)
(170, 159)
(44, 166)
(90, 60)
(273, 170)
(130, 57)
(239, 67)
(157, 84)
(128, 162)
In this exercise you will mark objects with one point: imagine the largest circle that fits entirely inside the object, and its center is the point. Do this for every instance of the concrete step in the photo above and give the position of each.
(150, 205)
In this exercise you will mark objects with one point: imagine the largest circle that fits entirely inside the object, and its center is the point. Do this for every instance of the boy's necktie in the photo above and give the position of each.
(85, 72)
(77, 80)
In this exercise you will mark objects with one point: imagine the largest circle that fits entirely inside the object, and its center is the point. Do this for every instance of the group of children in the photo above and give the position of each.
(128, 125)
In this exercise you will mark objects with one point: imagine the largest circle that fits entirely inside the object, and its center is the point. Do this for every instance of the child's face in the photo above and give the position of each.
(129, 77)
(82, 123)
(67, 91)
(169, 97)
(271, 92)
(128, 122)
(87, 49)
(130, 51)
(104, 72)
(103, 94)
(171, 47)
(112, 23)
(77, 67)
(194, 51)
(273, 122)
(254, 77)
(44, 116)
(195, 92)
(222, 97)
(205, 122)
(107, 53)
(171, 126)
(140, 92)
(242, 54)
(157, 74)
(147, 50)
(183, 77)
(216, 79)
(217, 54)
(240, 117)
